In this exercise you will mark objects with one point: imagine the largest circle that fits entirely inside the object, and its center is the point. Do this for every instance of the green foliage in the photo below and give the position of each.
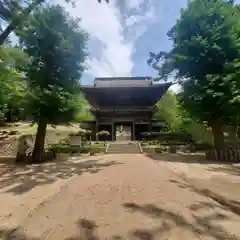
(96, 150)
(12, 90)
(103, 133)
(205, 40)
(65, 148)
(179, 121)
(167, 110)
(56, 47)
(54, 71)
(172, 149)
(84, 114)
(205, 55)
(198, 130)
(159, 150)
(15, 12)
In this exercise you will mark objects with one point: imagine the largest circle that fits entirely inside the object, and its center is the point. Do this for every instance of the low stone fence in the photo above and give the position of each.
(225, 155)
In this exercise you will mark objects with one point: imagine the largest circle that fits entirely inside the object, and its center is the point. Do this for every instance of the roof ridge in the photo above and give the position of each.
(122, 78)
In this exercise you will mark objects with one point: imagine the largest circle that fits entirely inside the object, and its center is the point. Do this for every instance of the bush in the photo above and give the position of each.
(94, 151)
(84, 150)
(65, 148)
(59, 148)
(172, 149)
(167, 136)
(159, 150)
(203, 146)
(103, 133)
(144, 143)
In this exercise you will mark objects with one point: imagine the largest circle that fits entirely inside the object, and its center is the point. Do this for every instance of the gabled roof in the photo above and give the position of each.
(125, 96)
(122, 82)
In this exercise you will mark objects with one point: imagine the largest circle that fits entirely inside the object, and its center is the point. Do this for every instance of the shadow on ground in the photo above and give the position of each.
(184, 158)
(87, 231)
(232, 169)
(19, 180)
(204, 226)
(12, 234)
(225, 203)
(168, 221)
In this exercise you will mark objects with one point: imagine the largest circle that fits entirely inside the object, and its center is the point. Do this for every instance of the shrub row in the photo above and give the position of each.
(65, 148)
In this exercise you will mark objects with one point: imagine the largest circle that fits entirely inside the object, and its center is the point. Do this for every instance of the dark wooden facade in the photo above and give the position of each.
(124, 103)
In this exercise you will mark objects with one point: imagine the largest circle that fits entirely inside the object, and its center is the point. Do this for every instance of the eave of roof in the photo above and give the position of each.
(124, 97)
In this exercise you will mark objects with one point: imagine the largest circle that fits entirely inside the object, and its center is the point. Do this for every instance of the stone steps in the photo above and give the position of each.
(123, 147)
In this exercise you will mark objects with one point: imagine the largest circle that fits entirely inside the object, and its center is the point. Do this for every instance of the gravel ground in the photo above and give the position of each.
(123, 197)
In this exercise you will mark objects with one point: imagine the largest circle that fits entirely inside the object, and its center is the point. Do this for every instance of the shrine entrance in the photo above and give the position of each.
(123, 132)
(123, 106)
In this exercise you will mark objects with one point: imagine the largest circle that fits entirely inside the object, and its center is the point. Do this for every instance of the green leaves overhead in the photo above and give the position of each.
(205, 57)
(205, 40)
(15, 12)
(56, 46)
(11, 78)
(167, 110)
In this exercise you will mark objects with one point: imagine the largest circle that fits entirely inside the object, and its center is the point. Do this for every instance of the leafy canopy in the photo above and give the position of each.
(205, 55)
(12, 83)
(15, 13)
(167, 110)
(56, 47)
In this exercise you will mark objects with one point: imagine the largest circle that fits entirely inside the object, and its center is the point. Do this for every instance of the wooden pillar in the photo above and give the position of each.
(113, 132)
(97, 128)
(149, 126)
(133, 131)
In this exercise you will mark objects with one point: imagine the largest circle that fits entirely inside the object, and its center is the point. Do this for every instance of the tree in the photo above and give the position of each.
(205, 58)
(11, 80)
(167, 110)
(16, 11)
(56, 46)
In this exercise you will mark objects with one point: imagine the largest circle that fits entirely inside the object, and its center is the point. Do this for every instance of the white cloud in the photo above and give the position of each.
(137, 24)
(103, 23)
(133, 4)
(106, 24)
(133, 19)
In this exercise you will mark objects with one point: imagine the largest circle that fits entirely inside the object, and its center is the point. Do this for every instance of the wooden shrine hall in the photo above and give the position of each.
(124, 106)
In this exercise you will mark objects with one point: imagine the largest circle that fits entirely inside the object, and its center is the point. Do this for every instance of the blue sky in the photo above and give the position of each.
(122, 33)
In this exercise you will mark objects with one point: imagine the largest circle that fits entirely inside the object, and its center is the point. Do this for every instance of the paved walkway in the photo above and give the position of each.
(122, 197)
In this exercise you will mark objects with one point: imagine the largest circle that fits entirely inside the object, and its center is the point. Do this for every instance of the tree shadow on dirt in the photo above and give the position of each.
(182, 158)
(88, 231)
(20, 180)
(200, 158)
(231, 169)
(168, 221)
(225, 203)
(14, 234)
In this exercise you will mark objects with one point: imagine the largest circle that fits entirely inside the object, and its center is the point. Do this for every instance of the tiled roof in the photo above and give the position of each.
(123, 82)
(125, 96)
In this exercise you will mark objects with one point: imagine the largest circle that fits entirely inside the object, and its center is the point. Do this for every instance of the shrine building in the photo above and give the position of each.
(124, 106)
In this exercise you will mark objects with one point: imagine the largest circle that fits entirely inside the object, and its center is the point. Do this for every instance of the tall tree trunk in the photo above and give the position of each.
(38, 151)
(218, 135)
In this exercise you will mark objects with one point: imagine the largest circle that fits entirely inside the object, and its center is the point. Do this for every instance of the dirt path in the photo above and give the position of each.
(128, 197)
(221, 178)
